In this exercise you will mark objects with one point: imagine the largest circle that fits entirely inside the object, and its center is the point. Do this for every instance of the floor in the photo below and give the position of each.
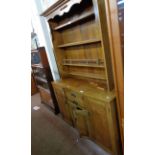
(52, 136)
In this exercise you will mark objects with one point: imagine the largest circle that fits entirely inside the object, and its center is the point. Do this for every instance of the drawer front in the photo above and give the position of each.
(74, 97)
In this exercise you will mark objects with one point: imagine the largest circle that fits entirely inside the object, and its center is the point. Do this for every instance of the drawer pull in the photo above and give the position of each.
(72, 94)
(78, 108)
(74, 102)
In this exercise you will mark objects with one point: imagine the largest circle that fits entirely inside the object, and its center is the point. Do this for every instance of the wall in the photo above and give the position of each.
(42, 29)
(46, 3)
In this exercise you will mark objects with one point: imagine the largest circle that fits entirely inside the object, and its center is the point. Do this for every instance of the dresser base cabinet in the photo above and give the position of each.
(91, 111)
(85, 93)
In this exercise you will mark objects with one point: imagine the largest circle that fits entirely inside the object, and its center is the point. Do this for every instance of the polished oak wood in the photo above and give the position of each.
(74, 21)
(82, 47)
(101, 77)
(61, 98)
(60, 7)
(89, 42)
(117, 47)
(80, 43)
(91, 110)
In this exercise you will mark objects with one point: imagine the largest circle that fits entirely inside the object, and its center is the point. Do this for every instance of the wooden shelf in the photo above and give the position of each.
(97, 63)
(91, 41)
(84, 62)
(88, 75)
(74, 21)
(37, 65)
(80, 65)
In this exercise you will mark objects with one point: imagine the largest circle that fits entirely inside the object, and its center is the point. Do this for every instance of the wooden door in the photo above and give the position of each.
(63, 106)
(80, 119)
(82, 122)
(104, 129)
(99, 122)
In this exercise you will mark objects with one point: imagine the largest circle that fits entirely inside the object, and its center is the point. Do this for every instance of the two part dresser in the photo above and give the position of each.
(85, 92)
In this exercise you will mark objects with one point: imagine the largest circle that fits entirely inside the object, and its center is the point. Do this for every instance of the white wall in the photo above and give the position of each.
(46, 3)
(42, 29)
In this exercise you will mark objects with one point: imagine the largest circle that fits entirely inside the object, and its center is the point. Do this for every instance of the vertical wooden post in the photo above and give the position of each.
(117, 62)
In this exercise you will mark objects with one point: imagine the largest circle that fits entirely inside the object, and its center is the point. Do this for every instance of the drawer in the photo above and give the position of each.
(73, 96)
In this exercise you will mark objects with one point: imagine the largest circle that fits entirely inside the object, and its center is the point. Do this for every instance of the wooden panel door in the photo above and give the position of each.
(82, 122)
(63, 106)
(99, 122)
(80, 119)
(103, 124)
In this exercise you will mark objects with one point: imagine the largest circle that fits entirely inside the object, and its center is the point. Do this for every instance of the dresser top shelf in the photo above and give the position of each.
(74, 21)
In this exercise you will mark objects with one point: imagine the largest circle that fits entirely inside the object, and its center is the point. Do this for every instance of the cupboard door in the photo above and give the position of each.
(64, 107)
(99, 122)
(82, 122)
(80, 119)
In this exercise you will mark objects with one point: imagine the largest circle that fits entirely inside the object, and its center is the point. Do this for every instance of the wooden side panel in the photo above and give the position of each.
(99, 6)
(46, 97)
(43, 56)
(34, 89)
(113, 120)
(117, 59)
